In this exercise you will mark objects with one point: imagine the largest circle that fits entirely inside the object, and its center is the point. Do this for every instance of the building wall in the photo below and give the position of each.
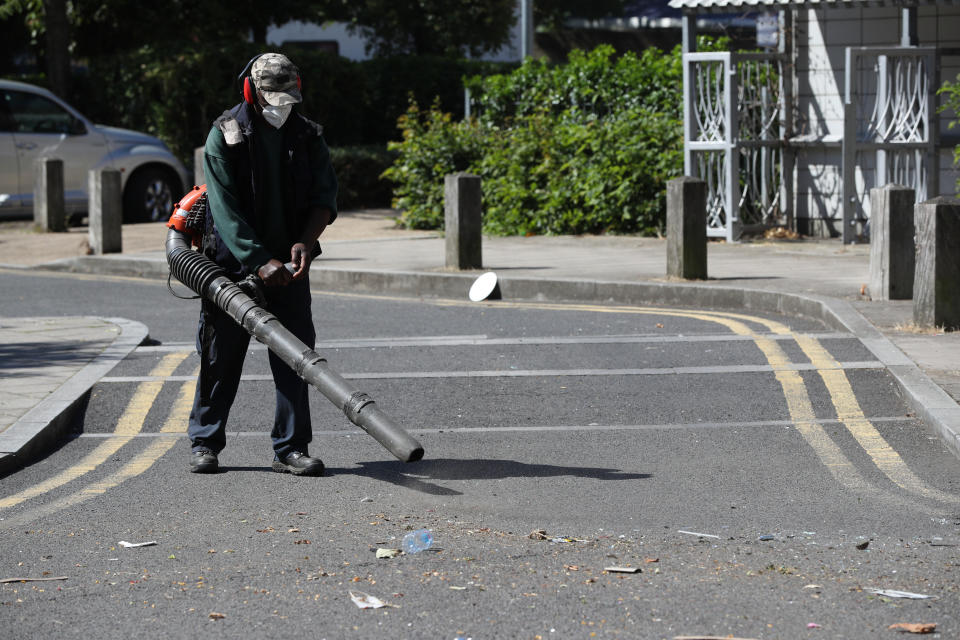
(821, 37)
(353, 45)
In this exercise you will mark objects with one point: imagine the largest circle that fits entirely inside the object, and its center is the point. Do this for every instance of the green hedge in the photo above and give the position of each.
(176, 96)
(359, 171)
(585, 147)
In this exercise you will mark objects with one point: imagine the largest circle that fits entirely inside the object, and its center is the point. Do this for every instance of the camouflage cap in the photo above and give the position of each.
(276, 78)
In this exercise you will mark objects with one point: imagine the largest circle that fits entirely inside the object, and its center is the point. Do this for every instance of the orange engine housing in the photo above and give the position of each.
(190, 214)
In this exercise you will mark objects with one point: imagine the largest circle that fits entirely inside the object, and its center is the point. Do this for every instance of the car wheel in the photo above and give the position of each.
(149, 196)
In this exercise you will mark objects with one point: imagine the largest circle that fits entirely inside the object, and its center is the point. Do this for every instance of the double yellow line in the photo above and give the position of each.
(848, 410)
(129, 425)
(800, 408)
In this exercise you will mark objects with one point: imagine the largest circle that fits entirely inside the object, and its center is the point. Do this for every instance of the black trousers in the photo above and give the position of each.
(222, 345)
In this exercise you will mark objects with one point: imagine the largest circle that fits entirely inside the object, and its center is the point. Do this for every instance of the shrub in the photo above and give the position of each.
(603, 176)
(582, 148)
(433, 146)
(591, 84)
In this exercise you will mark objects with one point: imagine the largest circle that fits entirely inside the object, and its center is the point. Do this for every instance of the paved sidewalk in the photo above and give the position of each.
(365, 252)
(47, 367)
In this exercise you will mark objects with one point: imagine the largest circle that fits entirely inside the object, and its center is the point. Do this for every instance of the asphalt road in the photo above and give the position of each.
(702, 448)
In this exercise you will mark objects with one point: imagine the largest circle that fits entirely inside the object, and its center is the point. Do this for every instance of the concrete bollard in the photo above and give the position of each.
(892, 253)
(936, 284)
(199, 176)
(687, 228)
(106, 211)
(462, 197)
(49, 212)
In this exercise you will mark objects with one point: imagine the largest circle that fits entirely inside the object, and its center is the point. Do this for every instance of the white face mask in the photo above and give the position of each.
(276, 116)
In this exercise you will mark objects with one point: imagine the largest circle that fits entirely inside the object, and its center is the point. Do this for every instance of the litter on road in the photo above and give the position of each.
(702, 535)
(622, 569)
(133, 545)
(914, 627)
(367, 601)
(6, 580)
(541, 534)
(387, 553)
(709, 638)
(893, 593)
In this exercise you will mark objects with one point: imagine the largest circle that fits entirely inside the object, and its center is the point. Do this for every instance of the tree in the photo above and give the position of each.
(551, 14)
(105, 26)
(438, 27)
(58, 46)
(48, 23)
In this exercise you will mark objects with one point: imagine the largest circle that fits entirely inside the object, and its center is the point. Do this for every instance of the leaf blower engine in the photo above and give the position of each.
(244, 303)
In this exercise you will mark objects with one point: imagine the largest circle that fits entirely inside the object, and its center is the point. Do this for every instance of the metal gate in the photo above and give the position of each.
(889, 111)
(734, 132)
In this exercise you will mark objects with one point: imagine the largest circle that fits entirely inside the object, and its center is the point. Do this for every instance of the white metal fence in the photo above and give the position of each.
(890, 126)
(734, 138)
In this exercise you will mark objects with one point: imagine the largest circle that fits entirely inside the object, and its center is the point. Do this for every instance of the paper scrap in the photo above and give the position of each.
(132, 545)
(622, 569)
(387, 553)
(367, 601)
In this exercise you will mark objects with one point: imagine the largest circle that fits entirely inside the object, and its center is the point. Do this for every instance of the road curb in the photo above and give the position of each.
(922, 395)
(46, 424)
(931, 403)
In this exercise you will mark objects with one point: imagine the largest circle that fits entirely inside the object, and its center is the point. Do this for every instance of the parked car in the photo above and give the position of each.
(35, 123)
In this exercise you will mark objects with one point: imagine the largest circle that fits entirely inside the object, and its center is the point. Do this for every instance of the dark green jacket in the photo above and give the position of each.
(261, 182)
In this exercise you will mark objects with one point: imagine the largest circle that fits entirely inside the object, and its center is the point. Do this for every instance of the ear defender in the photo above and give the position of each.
(246, 85)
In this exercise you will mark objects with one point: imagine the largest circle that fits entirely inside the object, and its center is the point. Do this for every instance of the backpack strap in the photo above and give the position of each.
(230, 128)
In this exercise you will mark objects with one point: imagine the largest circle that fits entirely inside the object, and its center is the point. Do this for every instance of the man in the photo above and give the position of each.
(271, 191)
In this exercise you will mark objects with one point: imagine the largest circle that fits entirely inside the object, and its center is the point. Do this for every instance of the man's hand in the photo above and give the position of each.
(274, 274)
(316, 221)
(300, 256)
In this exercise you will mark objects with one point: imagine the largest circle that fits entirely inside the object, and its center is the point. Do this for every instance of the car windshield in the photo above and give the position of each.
(24, 112)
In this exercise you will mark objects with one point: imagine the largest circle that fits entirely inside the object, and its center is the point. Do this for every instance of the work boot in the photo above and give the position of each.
(299, 464)
(204, 461)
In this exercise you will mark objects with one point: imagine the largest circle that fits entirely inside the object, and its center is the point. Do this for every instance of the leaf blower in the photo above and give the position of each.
(239, 301)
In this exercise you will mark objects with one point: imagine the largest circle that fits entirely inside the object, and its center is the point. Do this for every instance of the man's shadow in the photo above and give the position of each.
(418, 476)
